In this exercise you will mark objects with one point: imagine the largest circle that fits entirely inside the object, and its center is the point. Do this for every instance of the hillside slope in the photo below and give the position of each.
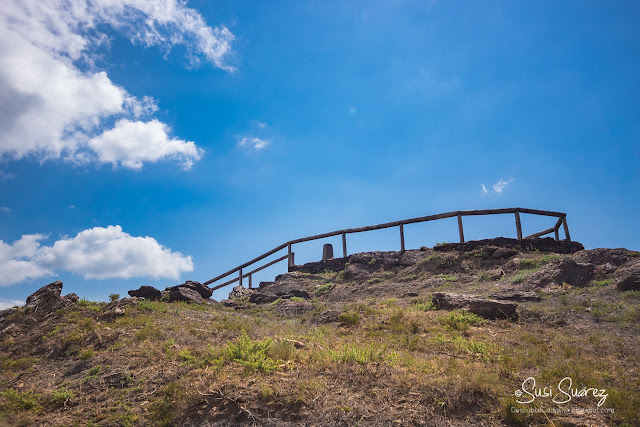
(355, 341)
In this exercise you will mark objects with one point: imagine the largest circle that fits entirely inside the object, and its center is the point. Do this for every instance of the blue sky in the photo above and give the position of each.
(155, 142)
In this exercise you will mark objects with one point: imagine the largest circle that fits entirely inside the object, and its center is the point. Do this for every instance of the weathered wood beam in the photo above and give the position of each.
(518, 225)
(401, 237)
(460, 230)
(540, 233)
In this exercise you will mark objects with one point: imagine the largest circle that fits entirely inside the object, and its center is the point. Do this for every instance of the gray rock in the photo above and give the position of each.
(240, 292)
(559, 271)
(517, 296)
(47, 298)
(327, 316)
(203, 290)
(260, 298)
(504, 253)
(487, 308)
(146, 292)
(181, 293)
(409, 295)
(628, 278)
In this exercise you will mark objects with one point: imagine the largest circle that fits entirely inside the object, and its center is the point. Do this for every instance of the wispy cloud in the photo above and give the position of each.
(51, 108)
(262, 125)
(498, 187)
(5, 209)
(253, 142)
(96, 253)
(352, 111)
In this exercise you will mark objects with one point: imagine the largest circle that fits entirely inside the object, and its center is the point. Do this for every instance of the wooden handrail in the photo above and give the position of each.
(562, 221)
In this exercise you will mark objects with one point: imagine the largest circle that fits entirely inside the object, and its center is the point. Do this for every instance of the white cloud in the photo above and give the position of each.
(262, 125)
(253, 142)
(129, 144)
(484, 190)
(96, 253)
(499, 186)
(5, 209)
(51, 109)
(352, 111)
(17, 261)
(8, 303)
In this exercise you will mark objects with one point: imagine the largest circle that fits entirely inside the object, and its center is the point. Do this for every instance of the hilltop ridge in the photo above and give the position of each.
(422, 337)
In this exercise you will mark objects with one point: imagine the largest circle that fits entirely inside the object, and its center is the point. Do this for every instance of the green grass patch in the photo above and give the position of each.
(520, 277)
(24, 401)
(252, 355)
(349, 318)
(461, 320)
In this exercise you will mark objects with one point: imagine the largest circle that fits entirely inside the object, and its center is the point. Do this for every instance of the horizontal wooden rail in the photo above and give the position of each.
(562, 221)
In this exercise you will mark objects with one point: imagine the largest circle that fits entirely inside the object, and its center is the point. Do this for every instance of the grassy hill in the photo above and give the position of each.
(362, 344)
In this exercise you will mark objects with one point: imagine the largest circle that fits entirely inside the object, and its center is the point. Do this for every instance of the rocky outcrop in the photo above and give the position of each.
(240, 292)
(487, 308)
(628, 278)
(198, 287)
(48, 298)
(261, 298)
(546, 244)
(183, 293)
(146, 292)
(559, 271)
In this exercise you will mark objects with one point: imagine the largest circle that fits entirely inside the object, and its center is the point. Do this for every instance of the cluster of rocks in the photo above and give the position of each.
(289, 302)
(189, 291)
(620, 265)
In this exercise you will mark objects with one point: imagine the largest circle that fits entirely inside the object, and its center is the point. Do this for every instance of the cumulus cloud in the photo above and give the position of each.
(50, 108)
(484, 190)
(253, 142)
(131, 143)
(96, 253)
(8, 303)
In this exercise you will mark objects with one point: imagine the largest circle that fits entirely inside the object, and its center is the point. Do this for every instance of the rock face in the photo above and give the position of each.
(182, 293)
(260, 298)
(240, 292)
(628, 278)
(46, 297)
(198, 287)
(146, 292)
(563, 270)
(488, 308)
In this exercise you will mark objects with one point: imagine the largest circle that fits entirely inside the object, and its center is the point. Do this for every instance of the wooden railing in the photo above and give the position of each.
(562, 221)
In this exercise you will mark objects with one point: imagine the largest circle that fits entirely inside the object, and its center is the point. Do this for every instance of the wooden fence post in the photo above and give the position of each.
(556, 233)
(289, 256)
(344, 245)
(250, 284)
(460, 228)
(566, 229)
(240, 277)
(518, 225)
(402, 238)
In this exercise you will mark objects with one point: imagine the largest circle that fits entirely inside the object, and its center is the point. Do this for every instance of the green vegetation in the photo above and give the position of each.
(461, 320)
(535, 263)
(114, 297)
(252, 355)
(349, 318)
(323, 289)
(61, 397)
(521, 276)
(16, 400)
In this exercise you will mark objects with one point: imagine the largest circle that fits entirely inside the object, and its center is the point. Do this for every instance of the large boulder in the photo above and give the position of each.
(628, 278)
(563, 270)
(47, 298)
(488, 308)
(182, 293)
(262, 298)
(203, 290)
(146, 292)
(240, 292)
